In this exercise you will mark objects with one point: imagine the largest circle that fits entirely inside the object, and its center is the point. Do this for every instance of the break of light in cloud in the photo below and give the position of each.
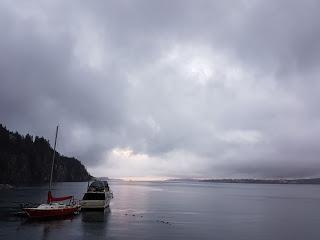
(167, 89)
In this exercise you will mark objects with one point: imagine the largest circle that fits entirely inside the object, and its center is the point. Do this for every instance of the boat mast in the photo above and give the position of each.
(54, 154)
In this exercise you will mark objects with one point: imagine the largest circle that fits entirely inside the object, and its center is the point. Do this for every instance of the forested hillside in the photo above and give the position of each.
(27, 159)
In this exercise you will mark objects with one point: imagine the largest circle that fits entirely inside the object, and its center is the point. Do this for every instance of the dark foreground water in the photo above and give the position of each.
(151, 210)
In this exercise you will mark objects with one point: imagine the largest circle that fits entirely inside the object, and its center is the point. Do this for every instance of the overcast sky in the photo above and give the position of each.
(167, 88)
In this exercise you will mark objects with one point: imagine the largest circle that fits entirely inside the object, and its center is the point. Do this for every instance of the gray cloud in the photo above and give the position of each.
(170, 88)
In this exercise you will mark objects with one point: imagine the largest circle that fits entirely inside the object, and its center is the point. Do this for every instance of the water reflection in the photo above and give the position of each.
(44, 229)
(196, 211)
(94, 224)
(95, 216)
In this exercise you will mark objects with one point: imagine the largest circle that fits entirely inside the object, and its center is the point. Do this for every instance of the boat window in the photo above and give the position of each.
(93, 196)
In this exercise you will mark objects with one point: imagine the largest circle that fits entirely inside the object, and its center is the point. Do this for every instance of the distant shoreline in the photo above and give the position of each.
(233, 180)
(253, 181)
(266, 181)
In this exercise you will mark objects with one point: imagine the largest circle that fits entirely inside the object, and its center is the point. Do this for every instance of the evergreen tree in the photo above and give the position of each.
(24, 160)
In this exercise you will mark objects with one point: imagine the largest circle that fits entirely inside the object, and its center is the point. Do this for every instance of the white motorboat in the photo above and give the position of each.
(98, 196)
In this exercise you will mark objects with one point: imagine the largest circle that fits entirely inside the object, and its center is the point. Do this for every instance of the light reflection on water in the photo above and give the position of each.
(95, 216)
(153, 210)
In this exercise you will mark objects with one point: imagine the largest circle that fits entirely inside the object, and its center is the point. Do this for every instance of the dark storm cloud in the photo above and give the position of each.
(170, 88)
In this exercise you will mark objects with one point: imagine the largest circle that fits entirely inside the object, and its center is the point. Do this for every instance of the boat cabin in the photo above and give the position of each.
(94, 196)
(98, 186)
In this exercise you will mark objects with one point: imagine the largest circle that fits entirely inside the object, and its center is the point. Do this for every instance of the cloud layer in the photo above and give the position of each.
(167, 88)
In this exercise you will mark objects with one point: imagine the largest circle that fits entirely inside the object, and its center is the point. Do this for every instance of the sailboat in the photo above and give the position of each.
(54, 207)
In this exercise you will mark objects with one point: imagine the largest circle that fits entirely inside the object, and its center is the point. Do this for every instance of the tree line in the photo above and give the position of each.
(28, 159)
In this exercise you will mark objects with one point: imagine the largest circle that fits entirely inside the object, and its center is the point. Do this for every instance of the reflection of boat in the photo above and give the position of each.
(95, 216)
(52, 209)
(98, 196)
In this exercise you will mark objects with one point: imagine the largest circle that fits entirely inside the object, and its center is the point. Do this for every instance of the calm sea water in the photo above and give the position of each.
(177, 210)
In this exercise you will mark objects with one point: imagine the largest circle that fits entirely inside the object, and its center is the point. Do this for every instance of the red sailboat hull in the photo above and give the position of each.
(51, 213)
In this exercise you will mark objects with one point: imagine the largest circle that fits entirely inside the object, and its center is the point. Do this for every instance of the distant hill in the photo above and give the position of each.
(24, 159)
(267, 181)
(250, 180)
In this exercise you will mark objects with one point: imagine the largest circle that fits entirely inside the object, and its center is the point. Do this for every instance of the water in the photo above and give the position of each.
(156, 210)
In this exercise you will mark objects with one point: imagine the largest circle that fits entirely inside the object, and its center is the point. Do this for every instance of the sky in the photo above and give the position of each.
(167, 89)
